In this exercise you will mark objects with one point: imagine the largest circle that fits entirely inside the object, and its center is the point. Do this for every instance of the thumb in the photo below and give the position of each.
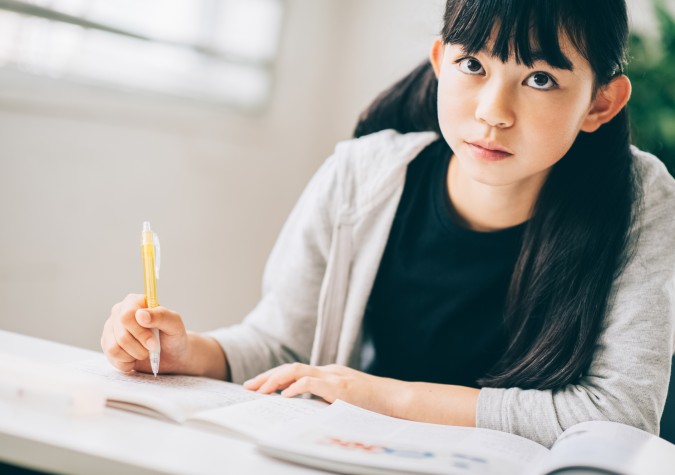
(161, 318)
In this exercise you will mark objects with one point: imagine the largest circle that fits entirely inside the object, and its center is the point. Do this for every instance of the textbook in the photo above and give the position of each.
(346, 439)
(199, 402)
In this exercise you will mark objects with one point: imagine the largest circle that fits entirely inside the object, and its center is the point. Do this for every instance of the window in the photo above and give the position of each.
(212, 50)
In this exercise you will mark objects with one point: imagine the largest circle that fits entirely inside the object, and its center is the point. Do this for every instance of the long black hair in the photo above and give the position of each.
(579, 237)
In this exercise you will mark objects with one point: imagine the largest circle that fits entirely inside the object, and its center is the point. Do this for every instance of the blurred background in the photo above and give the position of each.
(207, 118)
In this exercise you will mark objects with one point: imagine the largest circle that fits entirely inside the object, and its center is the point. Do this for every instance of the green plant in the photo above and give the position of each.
(652, 105)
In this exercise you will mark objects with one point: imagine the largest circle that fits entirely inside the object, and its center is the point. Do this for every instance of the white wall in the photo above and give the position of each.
(81, 168)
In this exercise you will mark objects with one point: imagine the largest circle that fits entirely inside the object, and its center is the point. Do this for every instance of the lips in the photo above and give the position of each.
(489, 151)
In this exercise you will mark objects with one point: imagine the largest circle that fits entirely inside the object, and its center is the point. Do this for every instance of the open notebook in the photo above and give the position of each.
(347, 439)
(338, 437)
(204, 402)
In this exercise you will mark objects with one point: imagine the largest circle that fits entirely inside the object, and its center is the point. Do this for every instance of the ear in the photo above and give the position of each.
(436, 55)
(608, 103)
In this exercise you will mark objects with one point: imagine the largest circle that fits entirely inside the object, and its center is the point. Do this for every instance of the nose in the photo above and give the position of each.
(494, 106)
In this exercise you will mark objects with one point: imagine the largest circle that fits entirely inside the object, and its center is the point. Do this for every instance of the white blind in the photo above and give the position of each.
(211, 50)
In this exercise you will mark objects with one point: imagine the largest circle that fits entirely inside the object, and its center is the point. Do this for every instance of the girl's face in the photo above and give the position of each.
(508, 124)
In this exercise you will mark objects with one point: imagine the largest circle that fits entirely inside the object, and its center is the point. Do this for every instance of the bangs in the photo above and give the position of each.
(530, 30)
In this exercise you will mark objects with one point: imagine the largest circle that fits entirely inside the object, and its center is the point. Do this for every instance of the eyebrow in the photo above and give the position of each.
(539, 56)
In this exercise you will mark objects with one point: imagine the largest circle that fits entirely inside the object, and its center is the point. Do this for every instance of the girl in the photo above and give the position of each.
(490, 252)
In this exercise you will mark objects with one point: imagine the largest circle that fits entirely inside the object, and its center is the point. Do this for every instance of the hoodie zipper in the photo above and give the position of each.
(333, 298)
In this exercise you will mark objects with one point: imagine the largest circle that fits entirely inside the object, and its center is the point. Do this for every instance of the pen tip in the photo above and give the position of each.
(154, 362)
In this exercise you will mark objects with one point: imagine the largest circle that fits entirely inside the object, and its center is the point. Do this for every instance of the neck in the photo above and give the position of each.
(486, 208)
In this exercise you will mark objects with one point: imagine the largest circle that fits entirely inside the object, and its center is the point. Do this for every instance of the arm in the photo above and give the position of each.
(440, 404)
(423, 402)
(206, 357)
(280, 329)
(627, 381)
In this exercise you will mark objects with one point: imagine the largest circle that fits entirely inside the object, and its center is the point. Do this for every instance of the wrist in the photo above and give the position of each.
(390, 397)
(404, 400)
(205, 357)
(436, 403)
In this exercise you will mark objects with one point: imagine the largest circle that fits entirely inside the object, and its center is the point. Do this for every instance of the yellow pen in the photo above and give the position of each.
(151, 260)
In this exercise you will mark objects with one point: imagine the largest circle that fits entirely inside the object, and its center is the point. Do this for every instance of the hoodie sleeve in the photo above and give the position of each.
(280, 329)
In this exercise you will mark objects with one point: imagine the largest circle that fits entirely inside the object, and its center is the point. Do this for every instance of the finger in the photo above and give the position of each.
(110, 347)
(129, 343)
(163, 319)
(255, 382)
(287, 375)
(113, 352)
(310, 385)
(107, 329)
(259, 380)
(127, 307)
(123, 367)
(126, 316)
(143, 335)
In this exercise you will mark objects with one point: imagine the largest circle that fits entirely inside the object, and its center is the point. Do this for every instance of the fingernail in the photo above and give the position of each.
(246, 383)
(142, 316)
(151, 344)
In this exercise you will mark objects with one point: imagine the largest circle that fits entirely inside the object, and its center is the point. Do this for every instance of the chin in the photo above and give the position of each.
(485, 173)
(492, 180)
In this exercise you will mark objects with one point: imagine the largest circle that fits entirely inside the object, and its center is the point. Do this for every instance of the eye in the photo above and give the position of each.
(541, 81)
(470, 66)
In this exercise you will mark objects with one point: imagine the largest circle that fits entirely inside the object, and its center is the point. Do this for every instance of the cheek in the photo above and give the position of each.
(454, 105)
(551, 125)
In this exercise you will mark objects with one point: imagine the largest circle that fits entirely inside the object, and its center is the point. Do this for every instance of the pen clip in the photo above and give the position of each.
(158, 253)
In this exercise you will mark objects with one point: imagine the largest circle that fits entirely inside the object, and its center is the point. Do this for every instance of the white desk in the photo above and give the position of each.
(113, 441)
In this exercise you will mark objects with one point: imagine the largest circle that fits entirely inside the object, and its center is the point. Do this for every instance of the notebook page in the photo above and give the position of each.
(350, 435)
(611, 446)
(173, 396)
(262, 416)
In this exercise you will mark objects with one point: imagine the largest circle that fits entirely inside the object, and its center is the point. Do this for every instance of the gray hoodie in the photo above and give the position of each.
(321, 270)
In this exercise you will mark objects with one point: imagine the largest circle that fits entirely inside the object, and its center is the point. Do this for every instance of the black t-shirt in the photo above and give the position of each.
(436, 308)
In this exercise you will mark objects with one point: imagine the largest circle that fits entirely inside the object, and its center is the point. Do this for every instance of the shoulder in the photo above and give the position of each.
(658, 186)
(388, 144)
(370, 166)
(655, 226)
(658, 192)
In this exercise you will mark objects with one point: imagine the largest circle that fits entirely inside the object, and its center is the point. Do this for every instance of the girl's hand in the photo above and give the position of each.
(332, 382)
(127, 337)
